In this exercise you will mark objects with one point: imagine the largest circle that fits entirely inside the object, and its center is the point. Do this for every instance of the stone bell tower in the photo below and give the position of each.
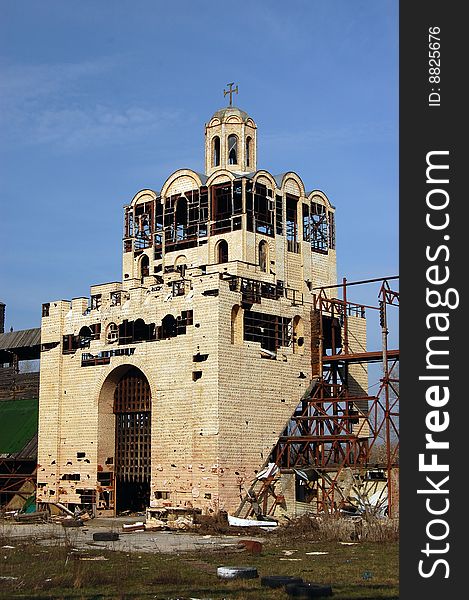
(230, 140)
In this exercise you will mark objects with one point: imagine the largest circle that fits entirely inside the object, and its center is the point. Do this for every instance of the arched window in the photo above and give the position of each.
(236, 324)
(263, 256)
(232, 149)
(85, 335)
(112, 333)
(180, 264)
(216, 151)
(298, 335)
(168, 327)
(140, 330)
(248, 151)
(144, 266)
(181, 218)
(222, 252)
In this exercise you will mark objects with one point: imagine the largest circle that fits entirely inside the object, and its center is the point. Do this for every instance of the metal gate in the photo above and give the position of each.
(132, 407)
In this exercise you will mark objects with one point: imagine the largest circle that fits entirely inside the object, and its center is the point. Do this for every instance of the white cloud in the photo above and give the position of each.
(50, 104)
(73, 128)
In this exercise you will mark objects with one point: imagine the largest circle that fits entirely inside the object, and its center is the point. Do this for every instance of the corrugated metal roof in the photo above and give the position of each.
(18, 425)
(20, 339)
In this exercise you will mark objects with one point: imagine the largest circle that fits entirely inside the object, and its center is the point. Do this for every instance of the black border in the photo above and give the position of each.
(425, 128)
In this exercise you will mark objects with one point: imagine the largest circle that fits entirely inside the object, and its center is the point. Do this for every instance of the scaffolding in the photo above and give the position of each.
(334, 431)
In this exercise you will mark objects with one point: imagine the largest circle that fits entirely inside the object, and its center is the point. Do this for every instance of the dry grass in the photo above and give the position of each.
(335, 528)
(356, 570)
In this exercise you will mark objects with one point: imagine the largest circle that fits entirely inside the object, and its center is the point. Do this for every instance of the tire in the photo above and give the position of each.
(105, 536)
(278, 581)
(308, 590)
(237, 572)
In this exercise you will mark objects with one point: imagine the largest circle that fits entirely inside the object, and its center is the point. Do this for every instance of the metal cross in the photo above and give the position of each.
(231, 91)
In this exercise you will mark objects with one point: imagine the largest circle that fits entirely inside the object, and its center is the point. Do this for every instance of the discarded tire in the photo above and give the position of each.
(105, 536)
(304, 591)
(278, 581)
(237, 572)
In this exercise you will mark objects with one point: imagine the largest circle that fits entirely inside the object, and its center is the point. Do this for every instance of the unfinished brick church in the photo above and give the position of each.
(173, 385)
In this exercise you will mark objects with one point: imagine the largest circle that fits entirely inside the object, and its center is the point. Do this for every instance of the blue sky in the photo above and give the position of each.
(100, 99)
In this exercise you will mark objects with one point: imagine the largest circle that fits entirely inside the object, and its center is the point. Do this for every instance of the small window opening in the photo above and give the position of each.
(115, 298)
(85, 335)
(232, 149)
(144, 266)
(112, 334)
(248, 151)
(180, 264)
(236, 324)
(216, 151)
(168, 327)
(298, 335)
(140, 331)
(222, 252)
(96, 302)
(263, 256)
(181, 219)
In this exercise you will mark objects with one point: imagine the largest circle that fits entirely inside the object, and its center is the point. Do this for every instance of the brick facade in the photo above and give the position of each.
(228, 371)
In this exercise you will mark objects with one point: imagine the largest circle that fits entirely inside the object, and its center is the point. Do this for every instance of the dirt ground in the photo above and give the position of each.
(139, 541)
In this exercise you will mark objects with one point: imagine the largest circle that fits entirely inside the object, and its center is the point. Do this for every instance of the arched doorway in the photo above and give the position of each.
(132, 409)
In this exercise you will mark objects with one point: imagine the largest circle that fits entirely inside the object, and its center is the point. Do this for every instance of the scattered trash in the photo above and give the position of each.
(131, 527)
(33, 517)
(93, 558)
(367, 575)
(72, 522)
(289, 552)
(7, 577)
(252, 546)
(237, 522)
(153, 524)
(316, 553)
(296, 559)
(270, 470)
(180, 523)
(10, 514)
(9, 547)
(348, 543)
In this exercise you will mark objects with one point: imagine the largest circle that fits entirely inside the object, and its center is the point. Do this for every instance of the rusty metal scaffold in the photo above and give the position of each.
(332, 429)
